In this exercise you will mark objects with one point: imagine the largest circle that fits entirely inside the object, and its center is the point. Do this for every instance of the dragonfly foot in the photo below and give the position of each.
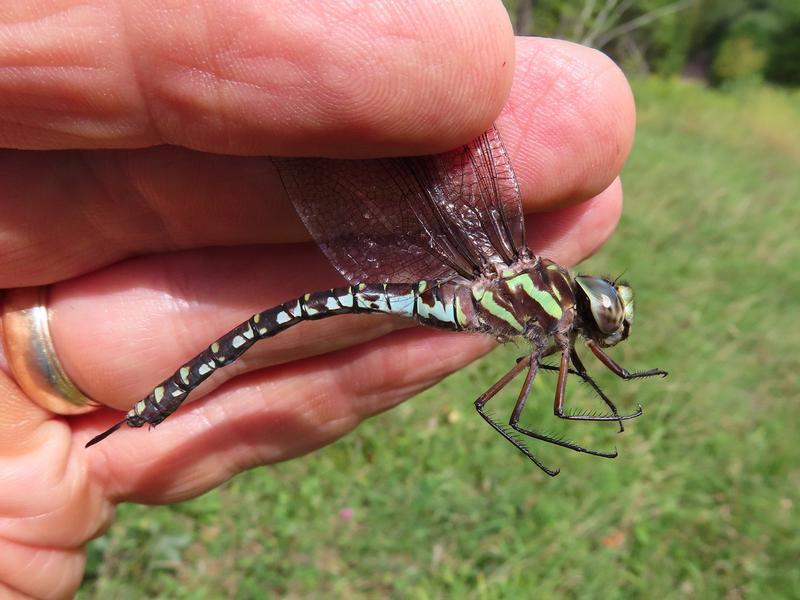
(645, 374)
(551, 439)
(589, 416)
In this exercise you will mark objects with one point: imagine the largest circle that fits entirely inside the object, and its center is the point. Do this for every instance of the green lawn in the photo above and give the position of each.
(703, 499)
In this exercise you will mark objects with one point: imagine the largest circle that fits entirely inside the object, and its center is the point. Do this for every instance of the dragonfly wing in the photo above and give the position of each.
(470, 198)
(406, 219)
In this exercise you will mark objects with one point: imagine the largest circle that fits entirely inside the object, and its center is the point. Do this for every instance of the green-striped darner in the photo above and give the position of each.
(439, 239)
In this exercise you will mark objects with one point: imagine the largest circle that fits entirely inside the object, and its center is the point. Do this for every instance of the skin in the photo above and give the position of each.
(160, 227)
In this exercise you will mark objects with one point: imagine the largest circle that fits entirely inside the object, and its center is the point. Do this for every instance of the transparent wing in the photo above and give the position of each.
(406, 219)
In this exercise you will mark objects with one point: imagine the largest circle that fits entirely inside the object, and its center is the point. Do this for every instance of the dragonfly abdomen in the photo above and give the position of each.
(424, 301)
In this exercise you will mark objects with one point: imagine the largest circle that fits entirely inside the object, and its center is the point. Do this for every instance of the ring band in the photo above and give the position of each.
(31, 355)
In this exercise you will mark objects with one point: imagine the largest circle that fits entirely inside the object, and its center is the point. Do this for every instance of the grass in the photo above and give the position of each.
(427, 501)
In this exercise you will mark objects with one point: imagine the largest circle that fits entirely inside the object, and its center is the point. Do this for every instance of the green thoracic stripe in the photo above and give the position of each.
(461, 317)
(544, 299)
(488, 302)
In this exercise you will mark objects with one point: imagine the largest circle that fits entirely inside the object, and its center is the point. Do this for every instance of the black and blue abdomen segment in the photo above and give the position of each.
(427, 302)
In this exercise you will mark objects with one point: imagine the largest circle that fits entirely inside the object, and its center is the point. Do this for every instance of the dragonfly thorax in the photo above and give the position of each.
(605, 309)
(532, 298)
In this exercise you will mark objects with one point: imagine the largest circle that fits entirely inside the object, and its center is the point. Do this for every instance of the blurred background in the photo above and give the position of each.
(427, 501)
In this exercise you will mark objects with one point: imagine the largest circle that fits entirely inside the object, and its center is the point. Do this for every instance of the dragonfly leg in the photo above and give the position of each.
(584, 375)
(520, 405)
(617, 368)
(480, 403)
(581, 372)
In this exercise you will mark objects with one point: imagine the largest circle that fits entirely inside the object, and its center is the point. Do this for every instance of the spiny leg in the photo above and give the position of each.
(584, 375)
(558, 405)
(520, 405)
(581, 372)
(527, 361)
(619, 371)
(617, 368)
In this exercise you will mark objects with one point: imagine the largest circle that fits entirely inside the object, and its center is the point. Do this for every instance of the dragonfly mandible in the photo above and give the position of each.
(439, 239)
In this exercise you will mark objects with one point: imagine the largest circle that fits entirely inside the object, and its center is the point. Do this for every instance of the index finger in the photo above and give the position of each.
(253, 77)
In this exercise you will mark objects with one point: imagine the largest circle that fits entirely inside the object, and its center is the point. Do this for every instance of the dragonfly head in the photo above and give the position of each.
(605, 309)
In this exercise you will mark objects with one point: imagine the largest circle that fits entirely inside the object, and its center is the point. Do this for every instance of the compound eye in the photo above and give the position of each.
(606, 306)
(625, 294)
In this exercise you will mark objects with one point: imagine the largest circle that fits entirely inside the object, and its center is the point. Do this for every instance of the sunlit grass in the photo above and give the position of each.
(428, 501)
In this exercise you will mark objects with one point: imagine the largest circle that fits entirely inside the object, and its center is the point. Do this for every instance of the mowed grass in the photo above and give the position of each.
(427, 501)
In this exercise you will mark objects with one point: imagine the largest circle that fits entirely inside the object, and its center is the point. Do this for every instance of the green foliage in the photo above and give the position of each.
(750, 43)
(761, 26)
(670, 43)
(784, 61)
(427, 501)
(739, 40)
(738, 59)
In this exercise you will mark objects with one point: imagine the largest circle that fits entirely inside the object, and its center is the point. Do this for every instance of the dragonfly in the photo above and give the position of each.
(439, 239)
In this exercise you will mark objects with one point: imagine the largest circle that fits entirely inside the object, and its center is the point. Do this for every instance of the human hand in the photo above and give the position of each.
(153, 250)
